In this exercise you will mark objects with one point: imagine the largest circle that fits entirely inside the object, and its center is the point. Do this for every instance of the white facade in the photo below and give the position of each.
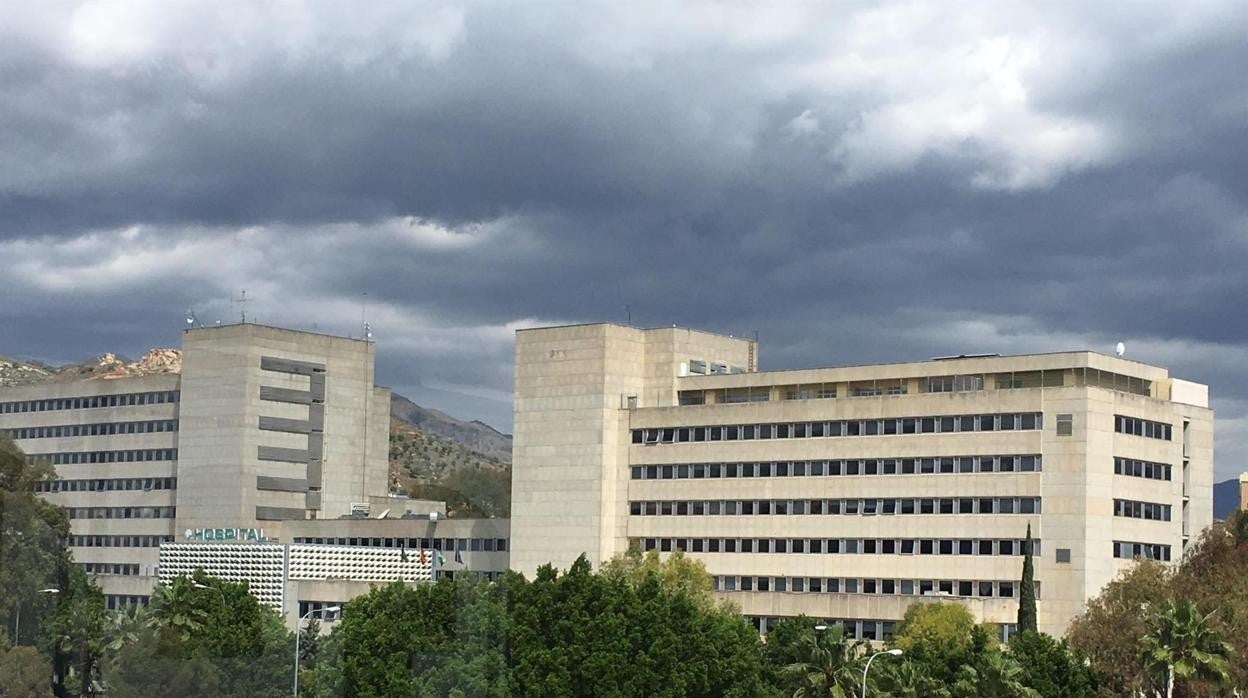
(847, 493)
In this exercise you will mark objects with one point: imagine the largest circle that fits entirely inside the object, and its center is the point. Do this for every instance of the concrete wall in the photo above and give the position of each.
(574, 390)
(225, 386)
(572, 484)
(144, 557)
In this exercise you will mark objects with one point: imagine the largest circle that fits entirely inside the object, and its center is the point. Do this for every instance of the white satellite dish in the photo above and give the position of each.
(384, 514)
(1120, 349)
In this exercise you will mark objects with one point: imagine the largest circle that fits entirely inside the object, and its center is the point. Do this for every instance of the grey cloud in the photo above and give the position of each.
(588, 160)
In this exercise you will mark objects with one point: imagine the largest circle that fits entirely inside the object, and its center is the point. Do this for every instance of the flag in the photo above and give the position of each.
(458, 558)
(441, 560)
(402, 550)
(423, 559)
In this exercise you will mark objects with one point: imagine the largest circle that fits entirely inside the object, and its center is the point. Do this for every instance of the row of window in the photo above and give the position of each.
(129, 569)
(854, 628)
(837, 585)
(118, 541)
(1132, 509)
(866, 629)
(98, 429)
(126, 456)
(89, 402)
(834, 546)
(116, 602)
(816, 468)
(487, 545)
(1010, 421)
(121, 512)
(1142, 427)
(848, 507)
(1128, 550)
(108, 485)
(1142, 468)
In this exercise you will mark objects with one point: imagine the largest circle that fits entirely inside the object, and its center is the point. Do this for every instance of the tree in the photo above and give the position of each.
(1051, 667)
(910, 679)
(1182, 645)
(942, 636)
(80, 628)
(676, 573)
(993, 676)
(33, 539)
(1109, 630)
(24, 673)
(1027, 590)
(826, 664)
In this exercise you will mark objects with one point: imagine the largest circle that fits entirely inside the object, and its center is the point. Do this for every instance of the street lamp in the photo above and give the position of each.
(17, 616)
(896, 652)
(330, 609)
(197, 585)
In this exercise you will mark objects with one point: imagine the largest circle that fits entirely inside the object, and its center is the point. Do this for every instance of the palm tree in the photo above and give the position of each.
(175, 607)
(997, 676)
(1183, 645)
(827, 664)
(910, 679)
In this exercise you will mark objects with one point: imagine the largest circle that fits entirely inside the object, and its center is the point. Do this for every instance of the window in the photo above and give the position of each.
(1063, 556)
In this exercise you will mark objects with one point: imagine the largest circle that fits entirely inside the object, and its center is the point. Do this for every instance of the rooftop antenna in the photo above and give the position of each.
(628, 314)
(1120, 349)
(191, 320)
(242, 304)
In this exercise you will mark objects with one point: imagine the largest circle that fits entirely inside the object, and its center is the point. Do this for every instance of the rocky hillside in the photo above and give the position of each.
(429, 466)
(102, 367)
(474, 435)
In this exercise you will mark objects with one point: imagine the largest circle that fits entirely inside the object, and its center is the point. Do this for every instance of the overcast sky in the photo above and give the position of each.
(856, 183)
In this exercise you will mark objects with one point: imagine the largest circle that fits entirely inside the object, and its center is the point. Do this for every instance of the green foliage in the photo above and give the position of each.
(80, 628)
(909, 679)
(220, 637)
(940, 635)
(1027, 590)
(1109, 630)
(1182, 645)
(1051, 667)
(993, 675)
(24, 672)
(825, 663)
(677, 573)
(33, 534)
(577, 634)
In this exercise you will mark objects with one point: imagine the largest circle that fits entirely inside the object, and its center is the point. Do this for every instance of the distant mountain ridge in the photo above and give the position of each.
(474, 435)
(1225, 498)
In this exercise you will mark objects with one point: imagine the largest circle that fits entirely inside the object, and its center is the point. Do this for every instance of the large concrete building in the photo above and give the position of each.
(266, 433)
(846, 493)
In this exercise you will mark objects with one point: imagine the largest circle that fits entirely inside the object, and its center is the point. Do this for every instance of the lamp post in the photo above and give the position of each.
(197, 585)
(17, 616)
(298, 628)
(896, 652)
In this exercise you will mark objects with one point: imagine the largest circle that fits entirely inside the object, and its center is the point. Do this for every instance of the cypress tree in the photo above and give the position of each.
(1027, 591)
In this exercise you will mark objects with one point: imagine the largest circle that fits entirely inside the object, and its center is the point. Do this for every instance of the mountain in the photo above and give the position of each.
(103, 367)
(475, 435)
(1225, 498)
(433, 455)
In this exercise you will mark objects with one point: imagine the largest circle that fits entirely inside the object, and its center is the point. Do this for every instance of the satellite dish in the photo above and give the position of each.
(384, 514)
(1120, 349)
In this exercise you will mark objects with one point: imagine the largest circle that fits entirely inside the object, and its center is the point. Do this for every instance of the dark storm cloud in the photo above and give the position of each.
(862, 184)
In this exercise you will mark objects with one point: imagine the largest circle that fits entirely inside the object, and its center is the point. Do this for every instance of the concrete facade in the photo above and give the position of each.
(924, 476)
(262, 426)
